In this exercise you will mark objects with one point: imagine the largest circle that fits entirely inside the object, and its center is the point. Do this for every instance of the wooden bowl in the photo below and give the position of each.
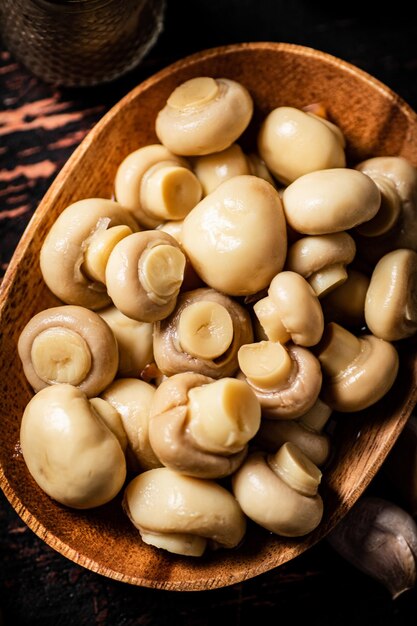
(375, 122)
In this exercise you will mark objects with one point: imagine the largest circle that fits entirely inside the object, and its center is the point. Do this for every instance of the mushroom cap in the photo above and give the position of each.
(134, 340)
(165, 501)
(315, 252)
(95, 335)
(267, 500)
(330, 201)
(273, 434)
(168, 354)
(293, 143)
(296, 395)
(208, 125)
(365, 380)
(69, 451)
(214, 169)
(132, 399)
(132, 173)
(170, 436)
(62, 253)
(298, 307)
(125, 281)
(402, 176)
(236, 236)
(391, 299)
(346, 303)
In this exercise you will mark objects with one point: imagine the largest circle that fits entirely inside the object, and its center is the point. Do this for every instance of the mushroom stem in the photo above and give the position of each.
(266, 364)
(388, 212)
(327, 279)
(337, 349)
(161, 272)
(193, 93)
(295, 469)
(316, 418)
(60, 355)
(205, 329)
(267, 313)
(169, 191)
(99, 248)
(177, 543)
(224, 415)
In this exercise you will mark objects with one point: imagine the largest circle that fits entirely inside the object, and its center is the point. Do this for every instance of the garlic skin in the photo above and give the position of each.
(380, 539)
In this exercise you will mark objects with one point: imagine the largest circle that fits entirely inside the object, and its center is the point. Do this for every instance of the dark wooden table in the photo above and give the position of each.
(40, 125)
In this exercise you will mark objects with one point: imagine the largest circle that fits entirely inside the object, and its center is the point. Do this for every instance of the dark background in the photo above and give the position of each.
(40, 126)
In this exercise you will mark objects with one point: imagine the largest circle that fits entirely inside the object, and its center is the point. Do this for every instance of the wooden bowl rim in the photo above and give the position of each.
(48, 536)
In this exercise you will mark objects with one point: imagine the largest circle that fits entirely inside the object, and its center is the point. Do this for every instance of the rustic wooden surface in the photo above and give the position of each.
(40, 125)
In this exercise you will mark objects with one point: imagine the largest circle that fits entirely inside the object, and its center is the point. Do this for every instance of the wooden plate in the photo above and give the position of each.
(375, 122)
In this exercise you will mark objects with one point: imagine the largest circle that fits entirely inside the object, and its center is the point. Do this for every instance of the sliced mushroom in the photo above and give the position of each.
(346, 304)
(394, 226)
(68, 449)
(183, 514)
(330, 201)
(305, 432)
(203, 335)
(63, 253)
(293, 143)
(391, 299)
(291, 311)
(68, 344)
(214, 169)
(134, 340)
(286, 380)
(144, 275)
(200, 426)
(280, 492)
(156, 185)
(233, 247)
(204, 115)
(321, 259)
(359, 371)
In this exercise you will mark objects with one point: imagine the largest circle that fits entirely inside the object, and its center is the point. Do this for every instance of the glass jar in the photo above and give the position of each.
(80, 42)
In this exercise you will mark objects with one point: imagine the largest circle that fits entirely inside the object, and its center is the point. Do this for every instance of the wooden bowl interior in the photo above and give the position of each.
(375, 122)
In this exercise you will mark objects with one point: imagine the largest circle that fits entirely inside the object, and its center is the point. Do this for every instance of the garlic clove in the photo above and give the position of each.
(380, 539)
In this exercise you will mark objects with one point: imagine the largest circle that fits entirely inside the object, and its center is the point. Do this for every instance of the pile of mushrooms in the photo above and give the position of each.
(197, 341)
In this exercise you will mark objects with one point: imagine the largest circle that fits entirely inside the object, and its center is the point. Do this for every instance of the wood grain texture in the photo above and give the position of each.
(375, 121)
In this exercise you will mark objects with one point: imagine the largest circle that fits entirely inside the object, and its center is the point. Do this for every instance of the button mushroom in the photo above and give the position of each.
(280, 492)
(236, 236)
(156, 185)
(394, 224)
(330, 201)
(132, 399)
(214, 169)
(183, 514)
(68, 344)
(69, 451)
(346, 304)
(286, 380)
(293, 143)
(359, 371)
(134, 340)
(291, 311)
(144, 274)
(204, 115)
(258, 168)
(391, 299)
(321, 260)
(92, 222)
(203, 335)
(201, 427)
(305, 432)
